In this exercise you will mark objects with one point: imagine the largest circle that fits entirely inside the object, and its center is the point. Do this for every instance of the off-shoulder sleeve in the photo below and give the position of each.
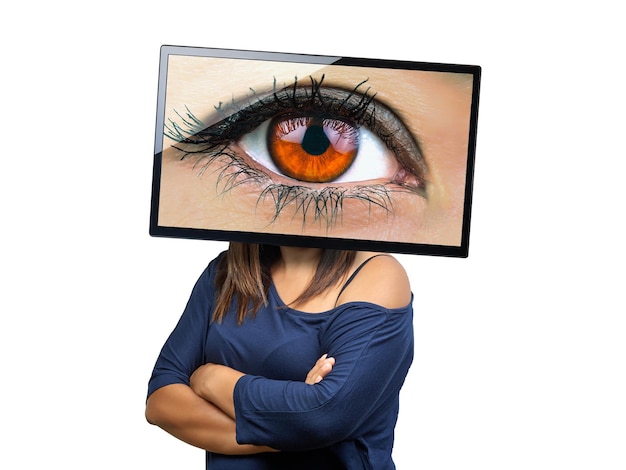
(373, 349)
(183, 352)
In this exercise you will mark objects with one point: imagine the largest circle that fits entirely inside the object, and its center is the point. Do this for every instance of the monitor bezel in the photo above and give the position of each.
(156, 230)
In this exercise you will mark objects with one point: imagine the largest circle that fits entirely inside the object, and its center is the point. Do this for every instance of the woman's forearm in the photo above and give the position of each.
(216, 383)
(181, 412)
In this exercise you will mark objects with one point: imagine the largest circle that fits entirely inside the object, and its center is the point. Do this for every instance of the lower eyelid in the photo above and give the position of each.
(326, 204)
(241, 166)
(234, 167)
(314, 203)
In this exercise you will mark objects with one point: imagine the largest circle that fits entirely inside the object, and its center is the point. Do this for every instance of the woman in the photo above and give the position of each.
(288, 357)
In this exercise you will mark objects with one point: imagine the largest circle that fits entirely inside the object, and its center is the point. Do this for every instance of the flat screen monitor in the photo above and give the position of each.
(314, 151)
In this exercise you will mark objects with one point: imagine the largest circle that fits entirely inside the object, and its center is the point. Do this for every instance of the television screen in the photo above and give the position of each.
(311, 150)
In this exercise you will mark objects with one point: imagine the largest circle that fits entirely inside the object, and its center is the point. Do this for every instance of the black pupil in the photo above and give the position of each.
(315, 141)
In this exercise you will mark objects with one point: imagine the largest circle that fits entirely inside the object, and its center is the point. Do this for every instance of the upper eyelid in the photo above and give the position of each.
(239, 116)
(312, 97)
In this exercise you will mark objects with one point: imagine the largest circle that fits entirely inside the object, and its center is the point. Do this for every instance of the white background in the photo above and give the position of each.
(520, 349)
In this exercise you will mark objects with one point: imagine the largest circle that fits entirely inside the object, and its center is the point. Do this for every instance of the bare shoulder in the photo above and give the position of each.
(382, 280)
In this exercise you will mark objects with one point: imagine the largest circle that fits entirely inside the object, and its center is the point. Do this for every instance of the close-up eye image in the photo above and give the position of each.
(295, 148)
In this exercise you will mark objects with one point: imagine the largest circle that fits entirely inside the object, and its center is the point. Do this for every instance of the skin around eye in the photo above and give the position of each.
(345, 154)
(221, 192)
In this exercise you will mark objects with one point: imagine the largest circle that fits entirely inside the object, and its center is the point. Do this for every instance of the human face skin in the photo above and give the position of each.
(215, 194)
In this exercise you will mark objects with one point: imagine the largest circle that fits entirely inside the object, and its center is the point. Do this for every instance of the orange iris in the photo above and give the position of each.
(312, 149)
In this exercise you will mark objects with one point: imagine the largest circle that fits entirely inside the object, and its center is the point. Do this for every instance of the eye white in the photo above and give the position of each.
(373, 159)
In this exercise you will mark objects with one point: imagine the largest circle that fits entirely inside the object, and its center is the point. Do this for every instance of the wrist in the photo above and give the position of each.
(216, 384)
(222, 387)
(203, 380)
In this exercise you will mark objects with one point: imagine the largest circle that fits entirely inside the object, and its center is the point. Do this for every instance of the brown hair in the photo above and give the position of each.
(244, 273)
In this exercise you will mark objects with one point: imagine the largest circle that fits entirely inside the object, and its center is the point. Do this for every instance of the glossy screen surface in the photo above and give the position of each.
(305, 150)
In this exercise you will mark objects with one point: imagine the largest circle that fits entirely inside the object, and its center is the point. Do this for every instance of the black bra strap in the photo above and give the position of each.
(356, 271)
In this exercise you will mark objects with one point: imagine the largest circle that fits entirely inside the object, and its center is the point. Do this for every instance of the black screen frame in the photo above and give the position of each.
(156, 230)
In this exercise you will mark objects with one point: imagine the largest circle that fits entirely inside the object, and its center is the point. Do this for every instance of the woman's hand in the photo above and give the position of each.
(321, 369)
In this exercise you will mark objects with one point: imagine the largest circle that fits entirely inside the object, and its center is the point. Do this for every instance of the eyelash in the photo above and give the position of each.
(211, 145)
(326, 204)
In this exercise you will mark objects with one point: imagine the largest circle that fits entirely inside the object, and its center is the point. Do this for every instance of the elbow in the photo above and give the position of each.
(154, 413)
(311, 438)
(150, 417)
(163, 407)
(150, 413)
(328, 428)
(322, 428)
(335, 420)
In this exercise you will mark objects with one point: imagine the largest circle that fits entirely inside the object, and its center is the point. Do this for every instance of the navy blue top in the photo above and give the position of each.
(344, 422)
